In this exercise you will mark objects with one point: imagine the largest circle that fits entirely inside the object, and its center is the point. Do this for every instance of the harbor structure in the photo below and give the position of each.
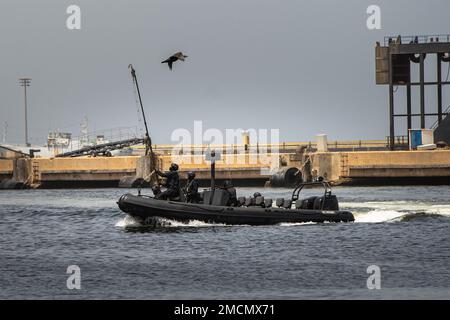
(357, 162)
(393, 68)
(421, 155)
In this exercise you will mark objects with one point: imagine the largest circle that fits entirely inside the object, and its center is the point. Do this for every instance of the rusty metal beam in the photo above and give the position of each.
(422, 91)
(439, 86)
(415, 115)
(420, 48)
(408, 106)
(391, 107)
(426, 83)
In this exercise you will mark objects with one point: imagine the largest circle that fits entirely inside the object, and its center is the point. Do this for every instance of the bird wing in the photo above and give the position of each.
(179, 56)
(170, 64)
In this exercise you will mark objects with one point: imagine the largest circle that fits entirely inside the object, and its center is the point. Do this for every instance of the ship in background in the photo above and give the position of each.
(60, 142)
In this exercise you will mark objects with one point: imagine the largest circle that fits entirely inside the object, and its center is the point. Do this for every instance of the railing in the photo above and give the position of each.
(200, 149)
(417, 39)
(286, 147)
(444, 115)
(399, 141)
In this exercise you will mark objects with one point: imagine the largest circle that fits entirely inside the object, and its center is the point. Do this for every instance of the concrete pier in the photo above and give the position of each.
(6, 169)
(383, 167)
(367, 167)
(68, 172)
(108, 171)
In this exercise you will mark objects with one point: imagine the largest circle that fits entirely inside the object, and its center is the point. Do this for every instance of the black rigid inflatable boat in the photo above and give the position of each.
(249, 211)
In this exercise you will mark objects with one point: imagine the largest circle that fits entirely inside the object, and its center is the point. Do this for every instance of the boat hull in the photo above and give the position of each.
(144, 208)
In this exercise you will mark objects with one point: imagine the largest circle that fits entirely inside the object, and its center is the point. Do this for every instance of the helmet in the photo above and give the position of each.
(256, 195)
(191, 174)
(173, 167)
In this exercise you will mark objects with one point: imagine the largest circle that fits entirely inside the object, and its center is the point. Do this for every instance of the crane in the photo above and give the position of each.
(147, 139)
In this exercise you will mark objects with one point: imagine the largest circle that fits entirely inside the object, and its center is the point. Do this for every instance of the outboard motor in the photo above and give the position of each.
(329, 202)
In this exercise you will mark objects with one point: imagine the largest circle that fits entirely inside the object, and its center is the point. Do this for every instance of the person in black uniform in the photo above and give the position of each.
(172, 183)
(228, 187)
(191, 189)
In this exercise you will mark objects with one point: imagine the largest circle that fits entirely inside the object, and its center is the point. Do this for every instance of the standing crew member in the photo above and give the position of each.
(172, 183)
(191, 189)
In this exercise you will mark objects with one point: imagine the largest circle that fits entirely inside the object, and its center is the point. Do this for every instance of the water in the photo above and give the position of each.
(403, 230)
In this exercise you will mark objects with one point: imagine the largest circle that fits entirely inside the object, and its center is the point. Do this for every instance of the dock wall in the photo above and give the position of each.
(92, 171)
(6, 169)
(370, 167)
(382, 166)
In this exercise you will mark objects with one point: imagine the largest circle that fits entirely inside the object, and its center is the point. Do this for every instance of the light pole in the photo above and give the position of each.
(25, 82)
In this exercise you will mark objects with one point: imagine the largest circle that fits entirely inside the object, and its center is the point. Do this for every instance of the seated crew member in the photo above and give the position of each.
(228, 187)
(172, 183)
(256, 195)
(156, 188)
(191, 189)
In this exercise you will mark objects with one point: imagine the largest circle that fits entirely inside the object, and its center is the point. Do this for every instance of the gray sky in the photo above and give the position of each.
(304, 67)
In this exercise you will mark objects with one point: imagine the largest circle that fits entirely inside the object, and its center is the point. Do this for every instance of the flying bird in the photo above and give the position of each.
(177, 56)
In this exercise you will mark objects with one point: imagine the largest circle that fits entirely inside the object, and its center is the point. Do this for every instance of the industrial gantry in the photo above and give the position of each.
(393, 68)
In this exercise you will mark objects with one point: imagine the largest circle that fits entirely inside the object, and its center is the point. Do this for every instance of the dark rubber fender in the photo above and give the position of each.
(11, 184)
(287, 177)
(133, 182)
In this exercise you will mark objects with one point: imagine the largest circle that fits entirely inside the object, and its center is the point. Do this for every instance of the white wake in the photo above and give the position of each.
(129, 222)
(391, 211)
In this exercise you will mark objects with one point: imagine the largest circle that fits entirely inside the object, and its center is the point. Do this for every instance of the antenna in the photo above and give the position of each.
(5, 131)
(84, 130)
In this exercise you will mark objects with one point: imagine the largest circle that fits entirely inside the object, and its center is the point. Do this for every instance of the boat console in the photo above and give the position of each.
(326, 202)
